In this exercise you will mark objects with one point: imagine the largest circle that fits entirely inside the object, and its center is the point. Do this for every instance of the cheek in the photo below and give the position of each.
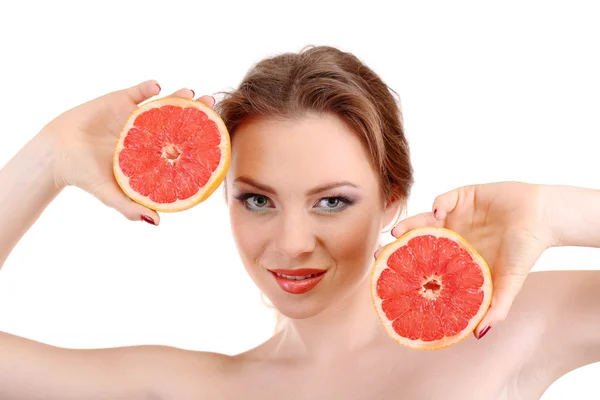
(247, 234)
(353, 242)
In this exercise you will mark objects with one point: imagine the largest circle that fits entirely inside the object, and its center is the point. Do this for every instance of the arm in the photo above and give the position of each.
(32, 370)
(574, 214)
(28, 183)
(563, 307)
(27, 186)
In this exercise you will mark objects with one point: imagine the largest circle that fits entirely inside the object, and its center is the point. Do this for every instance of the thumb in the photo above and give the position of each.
(143, 91)
(443, 205)
(111, 195)
(415, 221)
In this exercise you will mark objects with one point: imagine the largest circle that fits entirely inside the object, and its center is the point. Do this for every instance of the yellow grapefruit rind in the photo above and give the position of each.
(381, 264)
(211, 185)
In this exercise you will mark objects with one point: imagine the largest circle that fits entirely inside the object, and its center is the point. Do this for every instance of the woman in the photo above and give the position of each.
(319, 168)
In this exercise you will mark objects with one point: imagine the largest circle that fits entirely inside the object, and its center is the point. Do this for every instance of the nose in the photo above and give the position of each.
(294, 236)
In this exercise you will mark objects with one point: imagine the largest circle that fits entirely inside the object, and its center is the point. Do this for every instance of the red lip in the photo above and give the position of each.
(298, 286)
(297, 272)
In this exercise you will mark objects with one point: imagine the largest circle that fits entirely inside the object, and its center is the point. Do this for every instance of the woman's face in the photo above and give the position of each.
(306, 210)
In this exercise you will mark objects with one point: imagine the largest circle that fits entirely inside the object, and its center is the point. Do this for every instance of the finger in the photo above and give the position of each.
(508, 276)
(506, 289)
(111, 195)
(445, 204)
(184, 93)
(416, 221)
(143, 91)
(207, 100)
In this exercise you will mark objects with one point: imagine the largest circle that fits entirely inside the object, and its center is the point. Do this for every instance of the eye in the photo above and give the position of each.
(334, 204)
(258, 201)
(255, 202)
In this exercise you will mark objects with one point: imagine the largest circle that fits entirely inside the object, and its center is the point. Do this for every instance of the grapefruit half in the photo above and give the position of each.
(430, 288)
(172, 154)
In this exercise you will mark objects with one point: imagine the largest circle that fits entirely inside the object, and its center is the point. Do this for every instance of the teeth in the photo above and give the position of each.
(296, 278)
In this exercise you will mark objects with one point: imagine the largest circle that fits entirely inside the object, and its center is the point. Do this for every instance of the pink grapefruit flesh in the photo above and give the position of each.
(172, 154)
(430, 288)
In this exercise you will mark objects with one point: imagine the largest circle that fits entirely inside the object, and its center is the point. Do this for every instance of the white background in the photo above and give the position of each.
(490, 91)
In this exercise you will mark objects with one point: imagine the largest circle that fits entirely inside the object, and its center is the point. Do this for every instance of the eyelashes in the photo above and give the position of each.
(260, 203)
(335, 203)
(251, 205)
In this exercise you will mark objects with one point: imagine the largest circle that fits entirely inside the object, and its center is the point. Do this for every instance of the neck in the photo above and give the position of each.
(348, 325)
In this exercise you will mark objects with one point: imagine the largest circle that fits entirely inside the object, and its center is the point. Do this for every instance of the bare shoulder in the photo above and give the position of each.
(557, 313)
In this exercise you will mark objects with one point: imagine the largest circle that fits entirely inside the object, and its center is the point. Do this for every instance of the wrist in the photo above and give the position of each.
(573, 215)
(47, 146)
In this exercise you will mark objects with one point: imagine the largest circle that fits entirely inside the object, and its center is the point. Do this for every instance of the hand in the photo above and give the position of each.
(85, 138)
(507, 223)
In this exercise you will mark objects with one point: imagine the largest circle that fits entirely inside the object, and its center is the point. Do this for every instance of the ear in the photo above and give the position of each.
(393, 210)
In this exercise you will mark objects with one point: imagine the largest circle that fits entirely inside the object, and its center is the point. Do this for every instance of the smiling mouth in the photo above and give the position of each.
(299, 278)
(298, 281)
(298, 274)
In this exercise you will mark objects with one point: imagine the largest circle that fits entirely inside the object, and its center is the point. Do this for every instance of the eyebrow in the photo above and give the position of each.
(311, 192)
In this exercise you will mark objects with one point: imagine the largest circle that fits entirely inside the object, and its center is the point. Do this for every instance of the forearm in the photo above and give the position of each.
(27, 186)
(574, 215)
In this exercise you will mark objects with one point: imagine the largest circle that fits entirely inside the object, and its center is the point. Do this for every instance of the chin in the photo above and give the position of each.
(311, 294)
(296, 299)
(296, 308)
(327, 293)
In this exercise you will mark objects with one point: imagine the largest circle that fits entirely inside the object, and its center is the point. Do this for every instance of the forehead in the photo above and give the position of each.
(310, 150)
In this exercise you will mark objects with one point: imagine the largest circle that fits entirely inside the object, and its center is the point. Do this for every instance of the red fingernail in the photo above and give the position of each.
(483, 332)
(159, 88)
(148, 220)
(193, 93)
(434, 212)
